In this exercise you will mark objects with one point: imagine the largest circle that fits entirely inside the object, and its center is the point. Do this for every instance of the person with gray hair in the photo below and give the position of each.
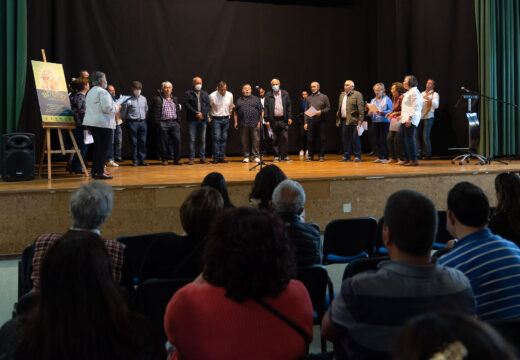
(100, 119)
(90, 206)
(288, 202)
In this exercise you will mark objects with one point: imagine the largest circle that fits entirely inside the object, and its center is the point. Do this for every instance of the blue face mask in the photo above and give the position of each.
(106, 84)
(276, 87)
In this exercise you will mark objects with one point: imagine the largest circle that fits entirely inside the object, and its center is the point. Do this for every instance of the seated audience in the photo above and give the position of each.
(80, 312)
(229, 312)
(265, 182)
(89, 207)
(288, 201)
(180, 257)
(506, 219)
(372, 306)
(449, 336)
(491, 263)
(216, 181)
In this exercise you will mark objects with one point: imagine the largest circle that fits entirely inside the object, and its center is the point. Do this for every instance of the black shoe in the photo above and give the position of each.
(344, 159)
(309, 159)
(119, 159)
(103, 176)
(223, 161)
(143, 163)
(177, 163)
(135, 163)
(428, 158)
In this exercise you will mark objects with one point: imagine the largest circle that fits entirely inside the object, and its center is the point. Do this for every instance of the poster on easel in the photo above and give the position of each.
(52, 93)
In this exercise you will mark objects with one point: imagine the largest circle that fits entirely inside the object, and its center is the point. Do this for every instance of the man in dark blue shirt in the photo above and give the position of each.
(197, 109)
(247, 118)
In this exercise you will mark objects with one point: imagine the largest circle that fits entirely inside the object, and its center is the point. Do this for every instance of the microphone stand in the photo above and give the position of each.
(489, 98)
(261, 163)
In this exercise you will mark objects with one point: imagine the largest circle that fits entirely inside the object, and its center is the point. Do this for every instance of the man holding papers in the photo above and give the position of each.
(317, 106)
(351, 113)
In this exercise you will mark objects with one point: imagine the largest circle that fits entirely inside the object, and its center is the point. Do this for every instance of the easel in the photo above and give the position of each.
(46, 149)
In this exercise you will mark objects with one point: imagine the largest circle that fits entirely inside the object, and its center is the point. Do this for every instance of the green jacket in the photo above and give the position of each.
(355, 108)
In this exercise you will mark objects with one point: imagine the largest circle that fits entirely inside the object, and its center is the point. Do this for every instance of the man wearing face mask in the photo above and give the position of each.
(166, 111)
(278, 116)
(197, 109)
(247, 119)
(134, 112)
(221, 102)
(316, 124)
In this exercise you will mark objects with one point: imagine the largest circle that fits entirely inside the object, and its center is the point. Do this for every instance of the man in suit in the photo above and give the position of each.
(278, 116)
(166, 112)
(197, 105)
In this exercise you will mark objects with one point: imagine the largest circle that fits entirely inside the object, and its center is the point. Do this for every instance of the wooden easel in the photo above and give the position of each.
(46, 149)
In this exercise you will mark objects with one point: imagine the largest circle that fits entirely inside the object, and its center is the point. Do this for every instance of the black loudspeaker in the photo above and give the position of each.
(18, 157)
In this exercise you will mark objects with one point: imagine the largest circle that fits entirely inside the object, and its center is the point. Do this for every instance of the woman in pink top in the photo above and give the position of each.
(248, 265)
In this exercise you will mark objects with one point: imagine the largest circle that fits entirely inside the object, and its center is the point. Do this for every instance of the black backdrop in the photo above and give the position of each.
(367, 41)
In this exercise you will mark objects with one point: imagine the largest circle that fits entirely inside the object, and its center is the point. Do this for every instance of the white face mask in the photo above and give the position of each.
(276, 87)
(198, 87)
(106, 84)
(137, 93)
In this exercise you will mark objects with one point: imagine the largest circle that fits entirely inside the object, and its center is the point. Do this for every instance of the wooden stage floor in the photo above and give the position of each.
(235, 171)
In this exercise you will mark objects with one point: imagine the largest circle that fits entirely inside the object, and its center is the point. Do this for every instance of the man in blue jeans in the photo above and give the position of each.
(197, 105)
(134, 112)
(422, 135)
(221, 102)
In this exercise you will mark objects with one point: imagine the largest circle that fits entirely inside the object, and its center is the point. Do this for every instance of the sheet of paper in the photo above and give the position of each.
(311, 111)
(87, 137)
(122, 99)
(365, 125)
(372, 108)
(360, 130)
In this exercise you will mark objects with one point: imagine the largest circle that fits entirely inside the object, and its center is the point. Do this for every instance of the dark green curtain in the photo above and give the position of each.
(13, 62)
(498, 34)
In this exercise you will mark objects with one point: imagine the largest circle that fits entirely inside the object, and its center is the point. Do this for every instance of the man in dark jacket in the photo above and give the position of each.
(166, 112)
(197, 108)
(288, 201)
(278, 116)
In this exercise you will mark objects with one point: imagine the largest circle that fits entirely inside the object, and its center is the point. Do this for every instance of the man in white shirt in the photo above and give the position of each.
(221, 102)
(410, 117)
(422, 136)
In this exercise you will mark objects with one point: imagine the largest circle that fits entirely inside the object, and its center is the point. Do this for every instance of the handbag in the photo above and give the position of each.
(395, 124)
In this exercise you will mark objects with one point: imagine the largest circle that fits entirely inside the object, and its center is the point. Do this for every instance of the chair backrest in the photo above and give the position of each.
(25, 269)
(151, 298)
(361, 265)
(348, 237)
(443, 236)
(510, 330)
(315, 278)
(137, 247)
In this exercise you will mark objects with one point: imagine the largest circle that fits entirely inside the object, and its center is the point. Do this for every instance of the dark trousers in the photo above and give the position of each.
(117, 141)
(422, 137)
(250, 141)
(220, 126)
(80, 141)
(394, 145)
(170, 133)
(316, 136)
(407, 135)
(137, 134)
(280, 137)
(351, 140)
(381, 133)
(197, 129)
(102, 141)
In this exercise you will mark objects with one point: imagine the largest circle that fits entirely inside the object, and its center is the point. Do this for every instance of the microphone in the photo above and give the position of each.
(464, 89)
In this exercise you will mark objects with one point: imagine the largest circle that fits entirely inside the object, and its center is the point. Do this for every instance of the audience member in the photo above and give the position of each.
(180, 256)
(450, 336)
(266, 181)
(233, 309)
(80, 312)
(216, 181)
(491, 263)
(506, 219)
(89, 207)
(373, 305)
(288, 201)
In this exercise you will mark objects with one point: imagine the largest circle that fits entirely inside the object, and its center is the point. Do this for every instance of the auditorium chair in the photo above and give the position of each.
(25, 270)
(151, 298)
(316, 280)
(137, 247)
(346, 240)
(361, 265)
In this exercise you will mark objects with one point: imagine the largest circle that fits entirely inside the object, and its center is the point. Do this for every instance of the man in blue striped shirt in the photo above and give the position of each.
(373, 305)
(491, 263)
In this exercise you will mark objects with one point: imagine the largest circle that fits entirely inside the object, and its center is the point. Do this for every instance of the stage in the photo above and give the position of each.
(147, 199)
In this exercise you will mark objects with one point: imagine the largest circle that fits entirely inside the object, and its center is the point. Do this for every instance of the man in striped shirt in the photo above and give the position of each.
(491, 263)
(373, 305)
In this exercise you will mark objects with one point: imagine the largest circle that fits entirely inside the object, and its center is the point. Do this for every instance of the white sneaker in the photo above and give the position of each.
(377, 161)
(246, 160)
(384, 161)
(276, 159)
(307, 153)
(256, 160)
(302, 153)
(112, 163)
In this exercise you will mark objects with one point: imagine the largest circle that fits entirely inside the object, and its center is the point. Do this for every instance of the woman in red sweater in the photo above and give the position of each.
(248, 266)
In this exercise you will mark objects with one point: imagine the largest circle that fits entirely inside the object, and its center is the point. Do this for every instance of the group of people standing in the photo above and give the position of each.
(401, 126)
